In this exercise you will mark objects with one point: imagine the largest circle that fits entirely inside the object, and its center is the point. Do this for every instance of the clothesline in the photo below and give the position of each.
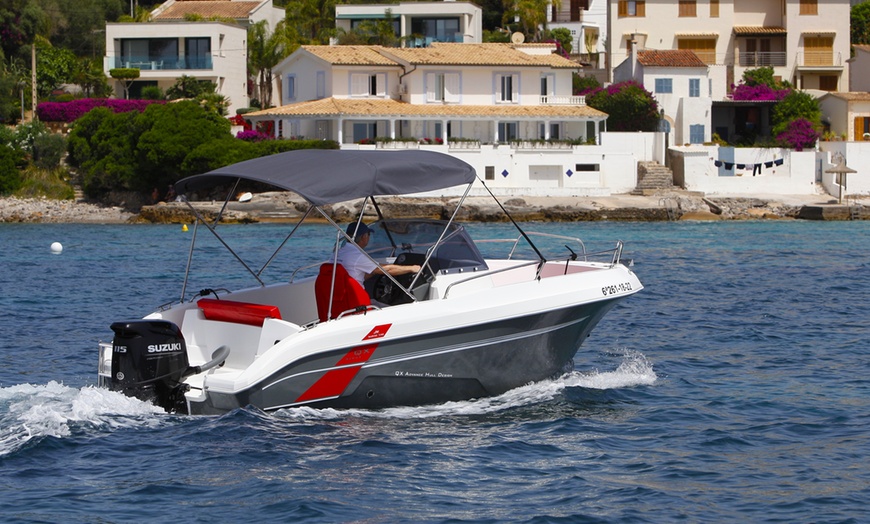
(756, 168)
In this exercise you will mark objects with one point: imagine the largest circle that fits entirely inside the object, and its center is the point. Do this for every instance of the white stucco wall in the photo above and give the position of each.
(796, 175)
(857, 157)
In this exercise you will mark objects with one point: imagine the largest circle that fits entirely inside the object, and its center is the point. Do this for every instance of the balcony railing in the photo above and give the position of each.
(768, 59)
(819, 59)
(161, 62)
(552, 100)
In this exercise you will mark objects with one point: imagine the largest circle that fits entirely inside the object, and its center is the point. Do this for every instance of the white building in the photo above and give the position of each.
(171, 45)
(419, 24)
(681, 85)
(805, 41)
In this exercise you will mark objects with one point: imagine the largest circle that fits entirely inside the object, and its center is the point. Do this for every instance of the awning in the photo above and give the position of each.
(758, 30)
(328, 176)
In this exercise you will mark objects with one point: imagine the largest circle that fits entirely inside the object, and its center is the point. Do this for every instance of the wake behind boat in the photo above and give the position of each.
(436, 321)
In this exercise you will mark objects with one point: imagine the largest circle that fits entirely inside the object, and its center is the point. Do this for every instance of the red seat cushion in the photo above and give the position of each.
(238, 312)
(348, 293)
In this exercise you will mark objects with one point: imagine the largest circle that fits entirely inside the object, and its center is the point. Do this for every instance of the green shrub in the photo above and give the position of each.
(794, 106)
(48, 150)
(152, 93)
(10, 174)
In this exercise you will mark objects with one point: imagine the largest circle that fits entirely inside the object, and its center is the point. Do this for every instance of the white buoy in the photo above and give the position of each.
(56, 247)
(245, 197)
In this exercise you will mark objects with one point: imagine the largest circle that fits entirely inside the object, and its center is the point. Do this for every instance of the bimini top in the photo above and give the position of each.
(328, 176)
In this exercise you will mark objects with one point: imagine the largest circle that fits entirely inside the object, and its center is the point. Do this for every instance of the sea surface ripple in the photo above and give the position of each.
(733, 388)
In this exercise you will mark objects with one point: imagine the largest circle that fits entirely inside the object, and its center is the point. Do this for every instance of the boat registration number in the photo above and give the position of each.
(616, 288)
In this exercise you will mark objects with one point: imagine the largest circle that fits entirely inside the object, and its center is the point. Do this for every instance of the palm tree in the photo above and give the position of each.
(265, 50)
(532, 15)
(310, 21)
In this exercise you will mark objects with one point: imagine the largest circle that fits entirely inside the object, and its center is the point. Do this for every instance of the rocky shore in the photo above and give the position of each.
(282, 207)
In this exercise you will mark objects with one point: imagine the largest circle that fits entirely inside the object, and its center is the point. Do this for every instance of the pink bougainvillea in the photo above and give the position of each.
(75, 109)
(799, 135)
(758, 92)
(252, 136)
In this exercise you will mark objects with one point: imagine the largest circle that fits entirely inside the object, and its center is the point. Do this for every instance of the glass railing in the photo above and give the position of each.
(147, 63)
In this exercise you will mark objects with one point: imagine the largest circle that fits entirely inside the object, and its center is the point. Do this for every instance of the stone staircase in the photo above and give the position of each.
(652, 178)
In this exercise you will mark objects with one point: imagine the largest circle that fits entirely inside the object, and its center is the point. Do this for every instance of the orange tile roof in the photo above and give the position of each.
(379, 107)
(669, 58)
(350, 54)
(207, 9)
(852, 96)
(489, 54)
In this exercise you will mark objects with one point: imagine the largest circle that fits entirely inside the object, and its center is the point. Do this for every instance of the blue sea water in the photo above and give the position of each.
(734, 388)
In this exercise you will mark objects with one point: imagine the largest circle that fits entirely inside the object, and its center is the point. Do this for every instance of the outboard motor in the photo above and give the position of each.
(149, 359)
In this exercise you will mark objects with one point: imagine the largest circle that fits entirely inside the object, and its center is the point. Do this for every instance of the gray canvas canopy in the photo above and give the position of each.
(328, 176)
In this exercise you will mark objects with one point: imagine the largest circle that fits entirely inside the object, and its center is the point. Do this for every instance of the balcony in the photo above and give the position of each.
(147, 63)
(552, 100)
(776, 59)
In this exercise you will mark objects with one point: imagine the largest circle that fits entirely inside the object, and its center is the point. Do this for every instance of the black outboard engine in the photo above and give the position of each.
(149, 359)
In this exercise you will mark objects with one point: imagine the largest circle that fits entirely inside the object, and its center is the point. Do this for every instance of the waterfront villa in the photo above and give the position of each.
(506, 109)
(192, 38)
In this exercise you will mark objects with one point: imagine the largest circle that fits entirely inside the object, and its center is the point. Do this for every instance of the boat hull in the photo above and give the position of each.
(427, 368)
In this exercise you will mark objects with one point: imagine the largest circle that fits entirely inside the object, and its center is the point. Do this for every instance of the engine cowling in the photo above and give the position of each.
(149, 359)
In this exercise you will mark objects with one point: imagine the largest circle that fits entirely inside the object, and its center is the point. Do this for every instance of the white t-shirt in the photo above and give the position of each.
(355, 262)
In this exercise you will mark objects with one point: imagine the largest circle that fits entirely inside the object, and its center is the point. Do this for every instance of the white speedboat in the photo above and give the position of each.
(463, 327)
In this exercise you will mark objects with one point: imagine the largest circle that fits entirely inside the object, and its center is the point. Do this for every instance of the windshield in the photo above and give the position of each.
(410, 240)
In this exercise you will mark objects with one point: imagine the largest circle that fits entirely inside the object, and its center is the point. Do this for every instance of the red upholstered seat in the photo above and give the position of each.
(239, 312)
(348, 293)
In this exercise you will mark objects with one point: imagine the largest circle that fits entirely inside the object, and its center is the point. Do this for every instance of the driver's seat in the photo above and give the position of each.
(347, 294)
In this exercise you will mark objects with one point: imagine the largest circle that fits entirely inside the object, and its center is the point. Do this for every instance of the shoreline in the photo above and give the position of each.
(287, 207)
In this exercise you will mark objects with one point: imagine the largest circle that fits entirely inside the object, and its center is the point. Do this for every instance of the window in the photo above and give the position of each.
(364, 131)
(365, 85)
(809, 7)
(442, 87)
(435, 30)
(291, 87)
(632, 8)
(714, 8)
(694, 87)
(818, 50)
(828, 82)
(320, 84)
(548, 85)
(507, 88)
(664, 85)
(586, 167)
(688, 8)
(696, 134)
(197, 52)
(507, 131)
(489, 173)
(555, 131)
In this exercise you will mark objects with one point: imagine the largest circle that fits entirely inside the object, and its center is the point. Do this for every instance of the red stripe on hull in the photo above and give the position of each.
(335, 381)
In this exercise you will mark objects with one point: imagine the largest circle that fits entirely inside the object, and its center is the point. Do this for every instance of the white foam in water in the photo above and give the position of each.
(31, 411)
(634, 370)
